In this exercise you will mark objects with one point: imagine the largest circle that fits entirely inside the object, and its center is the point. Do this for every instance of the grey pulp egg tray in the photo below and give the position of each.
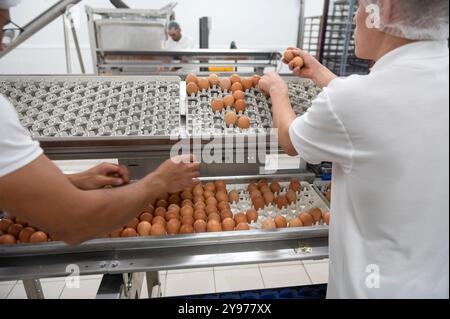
(65, 106)
(202, 120)
(307, 199)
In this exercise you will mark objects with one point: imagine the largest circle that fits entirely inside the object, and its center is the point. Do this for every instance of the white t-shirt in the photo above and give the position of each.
(185, 43)
(387, 135)
(17, 149)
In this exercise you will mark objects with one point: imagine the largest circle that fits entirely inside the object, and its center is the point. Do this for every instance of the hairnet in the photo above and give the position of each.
(174, 26)
(410, 19)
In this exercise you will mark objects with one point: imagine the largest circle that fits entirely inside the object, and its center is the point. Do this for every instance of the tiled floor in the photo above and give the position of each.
(193, 281)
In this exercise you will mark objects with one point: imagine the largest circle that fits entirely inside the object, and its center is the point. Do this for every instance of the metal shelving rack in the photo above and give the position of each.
(311, 32)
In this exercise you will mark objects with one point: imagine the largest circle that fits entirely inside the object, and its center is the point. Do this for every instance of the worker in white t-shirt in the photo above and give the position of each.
(387, 134)
(76, 208)
(177, 41)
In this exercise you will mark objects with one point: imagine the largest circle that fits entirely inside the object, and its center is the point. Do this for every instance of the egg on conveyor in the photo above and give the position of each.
(225, 84)
(230, 118)
(228, 224)
(200, 226)
(217, 105)
(242, 227)
(203, 84)
(144, 228)
(192, 89)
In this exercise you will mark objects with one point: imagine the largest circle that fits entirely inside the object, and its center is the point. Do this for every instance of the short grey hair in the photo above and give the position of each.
(174, 26)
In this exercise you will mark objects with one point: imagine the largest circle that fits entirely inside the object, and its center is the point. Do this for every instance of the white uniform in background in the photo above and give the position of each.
(17, 149)
(185, 43)
(387, 135)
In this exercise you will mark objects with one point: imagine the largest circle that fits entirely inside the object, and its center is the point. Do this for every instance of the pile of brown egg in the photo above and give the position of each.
(16, 231)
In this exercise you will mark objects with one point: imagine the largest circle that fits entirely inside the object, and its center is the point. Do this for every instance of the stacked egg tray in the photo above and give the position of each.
(307, 199)
(202, 120)
(95, 107)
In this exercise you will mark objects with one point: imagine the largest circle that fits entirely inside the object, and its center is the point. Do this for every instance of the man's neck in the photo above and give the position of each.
(388, 44)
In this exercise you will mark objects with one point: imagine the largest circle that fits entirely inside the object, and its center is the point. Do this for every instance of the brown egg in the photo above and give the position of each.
(242, 227)
(269, 198)
(25, 234)
(326, 218)
(295, 222)
(213, 79)
(133, 223)
(288, 56)
(265, 189)
(306, 219)
(226, 214)
(198, 190)
(162, 203)
(160, 211)
(174, 208)
(116, 233)
(200, 206)
(235, 79)
(298, 62)
(172, 215)
(222, 196)
(252, 216)
(228, 224)
(129, 232)
(256, 79)
(291, 196)
(239, 95)
(237, 87)
(269, 224)
(159, 220)
(4, 224)
(259, 203)
(225, 84)
(234, 196)
(220, 185)
(211, 209)
(187, 202)
(211, 201)
(214, 216)
(240, 218)
(208, 194)
(7, 239)
(187, 211)
(214, 226)
(230, 118)
(280, 221)
(39, 237)
(21, 222)
(255, 194)
(203, 84)
(281, 202)
(15, 229)
(191, 78)
(174, 199)
(247, 83)
(186, 229)
(173, 227)
(158, 230)
(150, 209)
(275, 187)
(224, 205)
(186, 195)
(244, 122)
(316, 213)
(252, 187)
(210, 187)
(200, 226)
(200, 215)
(188, 220)
(295, 185)
(228, 100)
(240, 106)
(144, 228)
(217, 105)
(262, 182)
(192, 89)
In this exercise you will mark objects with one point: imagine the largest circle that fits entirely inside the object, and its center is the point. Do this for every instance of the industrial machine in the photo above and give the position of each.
(138, 120)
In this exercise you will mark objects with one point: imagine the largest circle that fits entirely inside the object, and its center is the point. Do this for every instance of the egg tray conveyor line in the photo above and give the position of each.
(202, 120)
(150, 254)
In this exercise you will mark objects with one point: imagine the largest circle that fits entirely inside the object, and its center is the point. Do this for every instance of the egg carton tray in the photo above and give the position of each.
(307, 199)
(202, 120)
(95, 106)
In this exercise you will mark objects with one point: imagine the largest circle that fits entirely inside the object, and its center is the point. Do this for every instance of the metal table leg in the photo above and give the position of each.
(153, 282)
(33, 289)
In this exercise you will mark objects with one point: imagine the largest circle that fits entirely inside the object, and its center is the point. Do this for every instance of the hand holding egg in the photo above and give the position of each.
(273, 82)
